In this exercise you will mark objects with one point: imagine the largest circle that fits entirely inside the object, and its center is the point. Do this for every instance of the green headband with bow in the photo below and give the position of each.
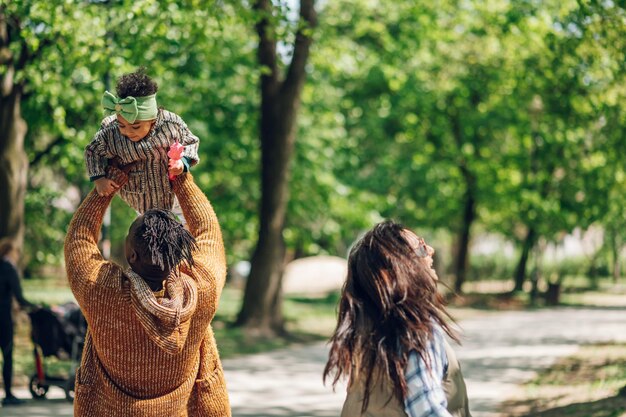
(130, 108)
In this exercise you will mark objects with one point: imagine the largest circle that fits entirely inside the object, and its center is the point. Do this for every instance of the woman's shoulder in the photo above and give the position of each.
(435, 348)
(439, 334)
(6, 264)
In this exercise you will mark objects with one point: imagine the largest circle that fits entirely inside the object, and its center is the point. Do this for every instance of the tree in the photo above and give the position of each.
(48, 87)
(14, 56)
(27, 32)
(280, 100)
(200, 55)
(423, 101)
(567, 158)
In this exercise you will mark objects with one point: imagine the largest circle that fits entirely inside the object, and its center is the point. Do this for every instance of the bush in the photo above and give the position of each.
(487, 267)
(45, 228)
(572, 267)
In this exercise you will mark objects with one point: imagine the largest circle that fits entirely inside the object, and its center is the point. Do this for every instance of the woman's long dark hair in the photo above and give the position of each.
(388, 307)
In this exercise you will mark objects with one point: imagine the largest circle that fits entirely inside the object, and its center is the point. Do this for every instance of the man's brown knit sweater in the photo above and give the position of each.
(145, 356)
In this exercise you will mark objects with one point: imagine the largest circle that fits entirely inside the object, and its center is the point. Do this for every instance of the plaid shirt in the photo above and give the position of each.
(425, 396)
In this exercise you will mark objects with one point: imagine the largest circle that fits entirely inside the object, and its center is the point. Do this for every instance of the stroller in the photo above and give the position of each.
(60, 332)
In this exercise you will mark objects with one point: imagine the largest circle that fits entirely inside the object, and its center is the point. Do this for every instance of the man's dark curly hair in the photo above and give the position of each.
(136, 84)
(164, 240)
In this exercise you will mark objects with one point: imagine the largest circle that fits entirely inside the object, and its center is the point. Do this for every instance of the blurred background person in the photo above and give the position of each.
(10, 287)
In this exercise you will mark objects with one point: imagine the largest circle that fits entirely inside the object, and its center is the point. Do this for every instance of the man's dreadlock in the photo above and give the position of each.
(165, 240)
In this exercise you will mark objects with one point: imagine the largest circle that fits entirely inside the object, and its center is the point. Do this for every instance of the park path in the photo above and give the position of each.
(500, 350)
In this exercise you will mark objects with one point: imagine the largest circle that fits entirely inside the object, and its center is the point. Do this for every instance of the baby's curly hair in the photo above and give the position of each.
(136, 84)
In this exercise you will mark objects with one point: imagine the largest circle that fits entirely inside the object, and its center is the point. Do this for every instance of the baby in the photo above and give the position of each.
(137, 132)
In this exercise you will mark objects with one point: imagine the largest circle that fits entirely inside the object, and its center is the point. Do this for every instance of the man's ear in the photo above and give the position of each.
(133, 257)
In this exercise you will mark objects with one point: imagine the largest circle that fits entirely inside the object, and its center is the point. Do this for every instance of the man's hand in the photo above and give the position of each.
(105, 186)
(117, 163)
(176, 167)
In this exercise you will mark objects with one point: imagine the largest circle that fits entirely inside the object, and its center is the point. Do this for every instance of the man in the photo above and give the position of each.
(9, 287)
(150, 349)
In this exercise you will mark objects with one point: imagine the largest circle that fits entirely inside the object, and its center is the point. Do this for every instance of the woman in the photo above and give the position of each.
(390, 337)
(9, 288)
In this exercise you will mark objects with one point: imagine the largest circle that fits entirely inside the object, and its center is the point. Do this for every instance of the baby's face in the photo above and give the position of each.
(136, 131)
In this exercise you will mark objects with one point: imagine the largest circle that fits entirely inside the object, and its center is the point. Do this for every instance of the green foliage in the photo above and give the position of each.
(493, 266)
(408, 108)
(46, 224)
(569, 267)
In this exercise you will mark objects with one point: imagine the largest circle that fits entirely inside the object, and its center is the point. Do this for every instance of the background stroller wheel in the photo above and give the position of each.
(69, 388)
(37, 390)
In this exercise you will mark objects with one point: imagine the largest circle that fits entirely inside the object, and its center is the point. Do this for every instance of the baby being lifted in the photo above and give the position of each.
(137, 132)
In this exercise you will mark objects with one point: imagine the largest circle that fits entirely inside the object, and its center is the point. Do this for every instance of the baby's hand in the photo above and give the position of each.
(105, 186)
(176, 167)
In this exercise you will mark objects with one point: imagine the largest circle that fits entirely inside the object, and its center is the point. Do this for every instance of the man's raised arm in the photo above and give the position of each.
(83, 259)
(204, 226)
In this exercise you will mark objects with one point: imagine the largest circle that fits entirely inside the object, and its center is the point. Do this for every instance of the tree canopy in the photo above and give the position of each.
(457, 117)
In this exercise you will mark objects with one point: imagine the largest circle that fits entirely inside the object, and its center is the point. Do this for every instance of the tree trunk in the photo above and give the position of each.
(553, 294)
(469, 204)
(535, 276)
(615, 250)
(461, 261)
(13, 163)
(520, 270)
(592, 272)
(261, 305)
(280, 101)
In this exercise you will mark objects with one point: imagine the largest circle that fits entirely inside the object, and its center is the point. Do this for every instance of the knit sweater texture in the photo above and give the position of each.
(143, 356)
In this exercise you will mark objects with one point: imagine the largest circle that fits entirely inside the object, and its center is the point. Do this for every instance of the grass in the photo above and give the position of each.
(307, 320)
(47, 291)
(608, 294)
(576, 291)
(591, 383)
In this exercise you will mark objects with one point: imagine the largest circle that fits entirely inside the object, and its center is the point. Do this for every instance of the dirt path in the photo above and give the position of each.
(502, 350)
(499, 352)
